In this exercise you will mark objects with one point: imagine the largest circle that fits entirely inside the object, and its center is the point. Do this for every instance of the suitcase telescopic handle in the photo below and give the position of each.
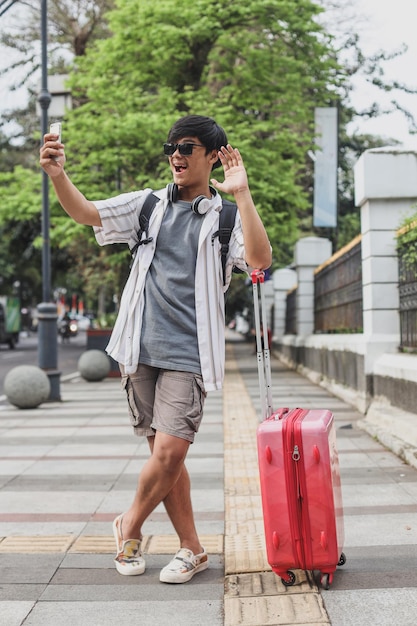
(263, 356)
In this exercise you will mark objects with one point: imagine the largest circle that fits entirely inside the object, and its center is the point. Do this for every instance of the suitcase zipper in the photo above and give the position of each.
(304, 518)
(295, 482)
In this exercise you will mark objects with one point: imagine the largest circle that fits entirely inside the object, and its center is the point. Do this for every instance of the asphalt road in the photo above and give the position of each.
(26, 353)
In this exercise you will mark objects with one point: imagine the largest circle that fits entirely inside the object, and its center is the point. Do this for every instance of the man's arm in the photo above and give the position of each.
(257, 246)
(71, 199)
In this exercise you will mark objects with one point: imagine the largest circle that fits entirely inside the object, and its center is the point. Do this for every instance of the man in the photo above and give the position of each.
(169, 334)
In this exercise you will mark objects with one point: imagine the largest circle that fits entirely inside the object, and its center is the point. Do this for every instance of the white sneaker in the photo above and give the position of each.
(183, 566)
(129, 560)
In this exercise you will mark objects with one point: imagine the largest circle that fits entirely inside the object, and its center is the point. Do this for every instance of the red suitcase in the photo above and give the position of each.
(299, 477)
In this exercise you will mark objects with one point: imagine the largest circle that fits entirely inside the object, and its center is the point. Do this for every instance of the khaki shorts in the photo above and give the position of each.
(164, 400)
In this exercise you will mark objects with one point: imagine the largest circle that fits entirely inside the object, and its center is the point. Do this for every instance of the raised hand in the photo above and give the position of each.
(235, 177)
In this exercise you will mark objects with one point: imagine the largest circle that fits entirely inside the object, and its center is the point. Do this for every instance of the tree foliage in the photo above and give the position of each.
(406, 246)
(259, 67)
(72, 26)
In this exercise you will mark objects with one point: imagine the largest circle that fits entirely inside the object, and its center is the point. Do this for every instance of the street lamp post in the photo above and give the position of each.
(47, 310)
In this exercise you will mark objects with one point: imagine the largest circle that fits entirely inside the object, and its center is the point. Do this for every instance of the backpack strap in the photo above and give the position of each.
(226, 224)
(227, 220)
(144, 219)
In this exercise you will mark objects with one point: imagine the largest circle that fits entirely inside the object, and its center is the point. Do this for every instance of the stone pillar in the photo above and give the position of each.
(385, 191)
(283, 280)
(310, 252)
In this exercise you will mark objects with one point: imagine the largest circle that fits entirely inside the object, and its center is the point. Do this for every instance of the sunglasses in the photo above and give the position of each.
(185, 149)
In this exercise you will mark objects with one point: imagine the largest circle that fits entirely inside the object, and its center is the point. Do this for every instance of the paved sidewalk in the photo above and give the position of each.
(378, 583)
(67, 469)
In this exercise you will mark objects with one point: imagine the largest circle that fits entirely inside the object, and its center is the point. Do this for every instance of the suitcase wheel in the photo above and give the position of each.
(288, 582)
(326, 580)
(342, 559)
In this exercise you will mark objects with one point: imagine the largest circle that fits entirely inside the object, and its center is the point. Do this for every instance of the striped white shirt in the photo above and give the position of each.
(120, 224)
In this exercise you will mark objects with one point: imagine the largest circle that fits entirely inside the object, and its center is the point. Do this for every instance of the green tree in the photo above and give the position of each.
(258, 68)
(72, 27)
(20, 227)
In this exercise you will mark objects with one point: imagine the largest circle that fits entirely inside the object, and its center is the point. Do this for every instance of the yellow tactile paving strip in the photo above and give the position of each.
(244, 537)
(152, 544)
(168, 544)
(36, 544)
(254, 595)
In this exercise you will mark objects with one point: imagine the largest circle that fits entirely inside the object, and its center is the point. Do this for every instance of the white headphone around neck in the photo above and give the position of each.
(200, 205)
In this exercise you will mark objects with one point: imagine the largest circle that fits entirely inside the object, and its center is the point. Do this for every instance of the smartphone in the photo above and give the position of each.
(55, 128)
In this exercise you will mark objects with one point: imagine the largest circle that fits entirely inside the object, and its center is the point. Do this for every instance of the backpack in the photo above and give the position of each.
(226, 224)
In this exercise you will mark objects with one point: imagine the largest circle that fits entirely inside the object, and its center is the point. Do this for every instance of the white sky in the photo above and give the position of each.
(386, 25)
(390, 24)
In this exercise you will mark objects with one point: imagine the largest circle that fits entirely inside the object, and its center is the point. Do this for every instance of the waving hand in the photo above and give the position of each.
(235, 178)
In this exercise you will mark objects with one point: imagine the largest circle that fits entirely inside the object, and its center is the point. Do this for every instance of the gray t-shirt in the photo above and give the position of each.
(169, 332)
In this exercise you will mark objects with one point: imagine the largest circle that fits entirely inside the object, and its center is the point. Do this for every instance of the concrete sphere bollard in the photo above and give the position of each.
(94, 365)
(27, 386)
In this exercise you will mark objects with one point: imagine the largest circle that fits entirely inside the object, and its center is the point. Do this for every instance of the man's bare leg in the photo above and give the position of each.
(179, 508)
(164, 478)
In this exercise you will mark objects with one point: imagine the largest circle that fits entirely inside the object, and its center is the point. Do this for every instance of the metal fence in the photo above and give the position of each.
(338, 291)
(407, 283)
